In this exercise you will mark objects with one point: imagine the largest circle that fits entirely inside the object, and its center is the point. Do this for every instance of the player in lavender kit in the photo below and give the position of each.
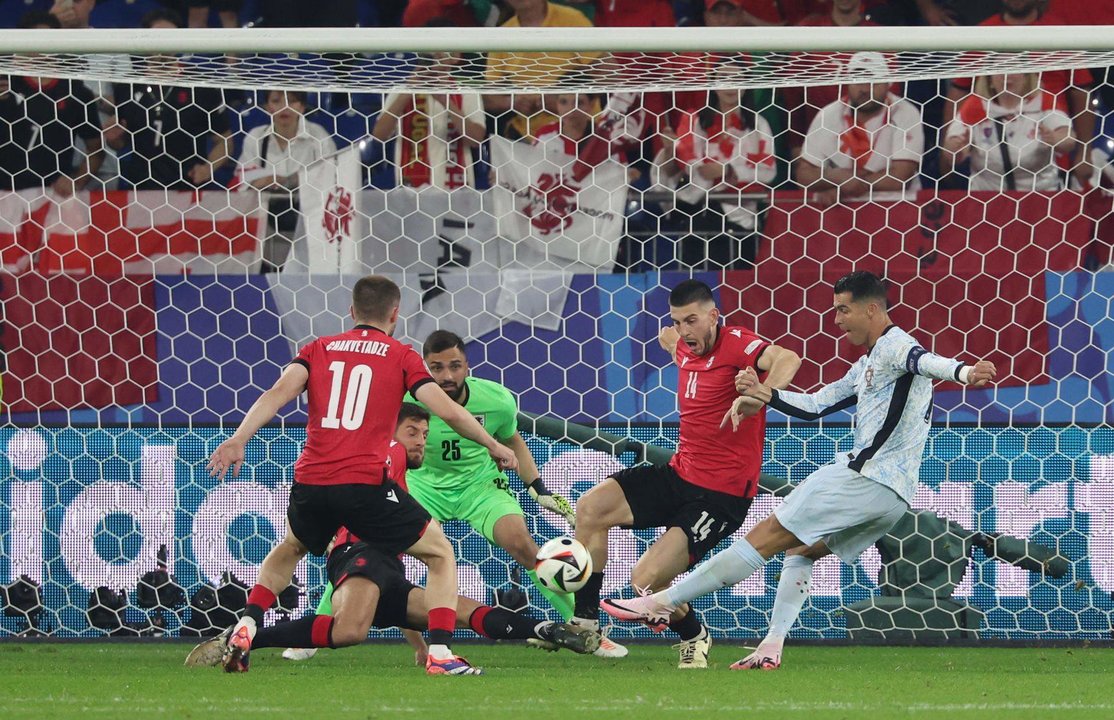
(703, 494)
(340, 478)
(845, 507)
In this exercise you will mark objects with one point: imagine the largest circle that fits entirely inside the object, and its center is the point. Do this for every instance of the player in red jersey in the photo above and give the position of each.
(372, 591)
(340, 479)
(703, 494)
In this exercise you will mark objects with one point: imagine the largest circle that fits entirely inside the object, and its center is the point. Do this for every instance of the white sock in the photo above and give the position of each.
(792, 592)
(585, 622)
(729, 567)
(249, 623)
(440, 652)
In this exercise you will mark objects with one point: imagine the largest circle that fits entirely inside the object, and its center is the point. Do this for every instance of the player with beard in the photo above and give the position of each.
(846, 506)
(869, 141)
(457, 481)
(702, 495)
(372, 591)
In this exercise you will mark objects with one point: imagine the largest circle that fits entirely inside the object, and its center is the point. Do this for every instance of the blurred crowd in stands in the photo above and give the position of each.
(715, 152)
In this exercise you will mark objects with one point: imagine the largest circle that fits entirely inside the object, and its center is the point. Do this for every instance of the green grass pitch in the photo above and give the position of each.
(147, 680)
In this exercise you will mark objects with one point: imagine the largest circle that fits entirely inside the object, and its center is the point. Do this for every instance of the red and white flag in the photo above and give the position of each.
(568, 211)
(130, 232)
(329, 192)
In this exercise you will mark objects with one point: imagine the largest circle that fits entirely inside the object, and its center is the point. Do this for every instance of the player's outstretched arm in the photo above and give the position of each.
(459, 419)
(780, 365)
(807, 406)
(922, 362)
(229, 455)
(531, 477)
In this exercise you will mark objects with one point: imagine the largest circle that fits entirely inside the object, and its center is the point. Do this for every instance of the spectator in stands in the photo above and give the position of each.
(631, 13)
(168, 127)
(76, 15)
(726, 148)
(334, 13)
(451, 13)
(519, 115)
(1073, 86)
(696, 65)
(772, 13)
(434, 134)
(40, 121)
(1011, 130)
(869, 141)
(802, 103)
(578, 142)
(73, 14)
(271, 159)
(228, 12)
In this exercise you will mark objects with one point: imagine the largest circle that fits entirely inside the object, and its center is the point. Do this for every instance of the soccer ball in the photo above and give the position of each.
(563, 565)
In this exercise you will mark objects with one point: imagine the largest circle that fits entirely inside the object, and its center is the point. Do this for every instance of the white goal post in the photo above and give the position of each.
(919, 53)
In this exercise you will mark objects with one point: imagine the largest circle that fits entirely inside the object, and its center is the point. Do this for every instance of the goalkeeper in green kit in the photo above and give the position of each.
(460, 481)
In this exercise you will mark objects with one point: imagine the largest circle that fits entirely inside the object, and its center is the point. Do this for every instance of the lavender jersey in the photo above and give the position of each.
(892, 388)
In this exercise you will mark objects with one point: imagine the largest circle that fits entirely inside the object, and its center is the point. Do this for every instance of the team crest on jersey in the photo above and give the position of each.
(869, 376)
(709, 363)
(480, 419)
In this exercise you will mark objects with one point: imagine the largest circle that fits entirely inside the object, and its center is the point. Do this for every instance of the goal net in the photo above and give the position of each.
(180, 211)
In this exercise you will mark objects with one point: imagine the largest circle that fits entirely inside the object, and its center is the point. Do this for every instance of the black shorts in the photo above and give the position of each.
(658, 497)
(386, 571)
(384, 516)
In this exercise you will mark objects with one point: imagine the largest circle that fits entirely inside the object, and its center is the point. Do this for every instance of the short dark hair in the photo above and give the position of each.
(863, 285)
(440, 341)
(34, 18)
(158, 14)
(690, 291)
(410, 411)
(374, 297)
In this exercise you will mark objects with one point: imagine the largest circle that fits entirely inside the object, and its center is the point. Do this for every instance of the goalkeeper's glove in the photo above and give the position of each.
(551, 502)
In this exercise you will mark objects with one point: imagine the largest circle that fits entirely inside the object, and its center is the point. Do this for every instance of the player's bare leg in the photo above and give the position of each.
(738, 562)
(510, 533)
(663, 561)
(792, 592)
(434, 550)
(600, 509)
(354, 605)
(275, 575)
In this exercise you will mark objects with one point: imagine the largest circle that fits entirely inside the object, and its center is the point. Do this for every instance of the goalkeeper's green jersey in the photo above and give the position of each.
(452, 461)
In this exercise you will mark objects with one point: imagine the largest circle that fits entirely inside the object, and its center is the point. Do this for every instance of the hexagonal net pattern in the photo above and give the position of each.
(175, 227)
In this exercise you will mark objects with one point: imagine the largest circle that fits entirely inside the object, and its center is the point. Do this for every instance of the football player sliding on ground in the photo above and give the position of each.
(371, 590)
(847, 505)
(459, 481)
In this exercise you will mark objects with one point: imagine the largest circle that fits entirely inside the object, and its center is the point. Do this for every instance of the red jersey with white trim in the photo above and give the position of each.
(720, 459)
(356, 383)
(396, 471)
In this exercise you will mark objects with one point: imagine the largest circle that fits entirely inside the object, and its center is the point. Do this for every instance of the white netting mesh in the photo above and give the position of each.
(171, 230)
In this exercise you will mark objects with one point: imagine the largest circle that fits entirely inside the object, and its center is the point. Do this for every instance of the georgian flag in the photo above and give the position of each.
(329, 192)
(539, 200)
(130, 232)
